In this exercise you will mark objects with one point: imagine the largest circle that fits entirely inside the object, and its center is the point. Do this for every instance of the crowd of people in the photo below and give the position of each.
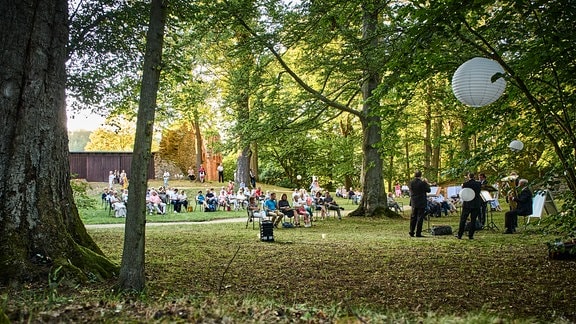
(474, 205)
(302, 204)
(157, 200)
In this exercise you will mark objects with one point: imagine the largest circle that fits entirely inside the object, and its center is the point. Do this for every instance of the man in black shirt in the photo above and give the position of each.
(418, 200)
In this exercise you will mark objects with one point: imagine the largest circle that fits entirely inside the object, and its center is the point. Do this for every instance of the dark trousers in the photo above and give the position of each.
(220, 176)
(473, 213)
(511, 220)
(416, 221)
(483, 213)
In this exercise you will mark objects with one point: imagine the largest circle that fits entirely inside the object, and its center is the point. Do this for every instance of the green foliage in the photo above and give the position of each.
(563, 224)
(77, 140)
(82, 198)
(54, 280)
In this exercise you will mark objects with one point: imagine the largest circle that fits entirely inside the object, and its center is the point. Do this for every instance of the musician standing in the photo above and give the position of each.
(523, 207)
(418, 200)
(483, 204)
(470, 208)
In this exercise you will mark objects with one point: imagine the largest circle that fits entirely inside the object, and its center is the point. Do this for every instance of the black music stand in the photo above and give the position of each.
(487, 199)
(491, 225)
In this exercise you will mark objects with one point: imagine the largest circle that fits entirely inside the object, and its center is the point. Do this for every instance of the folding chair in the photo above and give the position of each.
(537, 207)
(252, 217)
(198, 203)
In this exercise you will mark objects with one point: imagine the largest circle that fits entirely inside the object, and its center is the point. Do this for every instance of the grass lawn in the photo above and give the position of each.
(358, 270)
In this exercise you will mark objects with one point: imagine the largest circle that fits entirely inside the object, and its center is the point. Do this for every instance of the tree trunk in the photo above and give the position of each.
(199, 148)
(254, 159)
(427, 139)
(243, 166)
(436, 149)
(40, 229)
(132, 270)
(373, 200)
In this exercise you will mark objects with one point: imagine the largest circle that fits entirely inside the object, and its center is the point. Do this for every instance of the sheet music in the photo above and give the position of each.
(486, 196)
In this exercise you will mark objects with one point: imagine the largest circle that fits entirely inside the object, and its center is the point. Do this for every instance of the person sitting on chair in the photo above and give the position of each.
(319, 203)
(299, 205)
(287, 210)
(254, 208)
(393, 204)
(271, 208)
(156, 203)
(200, 199)
(330, 204)
(523, 207)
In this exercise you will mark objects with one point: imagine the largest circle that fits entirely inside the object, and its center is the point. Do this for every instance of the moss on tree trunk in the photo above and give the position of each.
(39, 224)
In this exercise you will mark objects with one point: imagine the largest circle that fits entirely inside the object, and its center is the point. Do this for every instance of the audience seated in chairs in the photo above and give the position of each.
(357, 197)
(432, 208)
(223, 200)
(241, 199)
(156, 204)
(181, 200)
(254, 211)
(271, 208)
(444, 205)
(331, 204)
(393, 204)
(319, 204)
(351, 193)
(211, 202)
(299, 209)
(200, 199)
(287, 210)
(117, 205)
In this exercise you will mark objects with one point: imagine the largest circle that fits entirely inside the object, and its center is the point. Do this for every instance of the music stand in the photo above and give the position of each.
(487, 198)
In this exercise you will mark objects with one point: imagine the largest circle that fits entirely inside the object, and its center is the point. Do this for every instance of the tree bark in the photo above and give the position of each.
(373, 200)
(40, 229)
(132, 269)
(199, 144)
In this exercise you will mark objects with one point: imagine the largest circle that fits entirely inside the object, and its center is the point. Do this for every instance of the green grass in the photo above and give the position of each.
(358, 270)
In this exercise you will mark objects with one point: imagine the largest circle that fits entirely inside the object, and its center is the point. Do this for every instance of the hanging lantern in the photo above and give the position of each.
(467, 194)
(516, 146)
(472, 82)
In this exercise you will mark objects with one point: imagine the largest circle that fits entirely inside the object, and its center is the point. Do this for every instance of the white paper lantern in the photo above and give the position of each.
(299, 177)
(516, 146)
(472, 82)
(467, 194)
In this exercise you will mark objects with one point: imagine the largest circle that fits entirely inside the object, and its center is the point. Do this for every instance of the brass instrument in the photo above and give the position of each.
(508, 185)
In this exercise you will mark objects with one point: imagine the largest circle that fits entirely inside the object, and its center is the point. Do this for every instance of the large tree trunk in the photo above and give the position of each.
(39, 224)
(373, 200)
(132, 270)
(199, 144)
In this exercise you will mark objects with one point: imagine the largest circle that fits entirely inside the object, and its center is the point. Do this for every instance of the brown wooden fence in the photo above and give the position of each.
(95, 166)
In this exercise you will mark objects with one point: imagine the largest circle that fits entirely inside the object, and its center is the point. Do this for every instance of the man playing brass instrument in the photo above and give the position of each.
(523, 202)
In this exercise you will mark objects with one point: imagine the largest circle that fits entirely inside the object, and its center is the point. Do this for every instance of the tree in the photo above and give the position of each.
(40, 229)
(78, 140)
(132, 276)
(334, 24)
(112, 138)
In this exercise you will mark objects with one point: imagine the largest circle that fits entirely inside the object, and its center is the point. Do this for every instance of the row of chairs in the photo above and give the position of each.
(258, 218)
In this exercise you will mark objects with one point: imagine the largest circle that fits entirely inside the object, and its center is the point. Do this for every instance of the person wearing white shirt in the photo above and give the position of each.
(111, 178)
(118, 205)
(220, 169)
(166, 177)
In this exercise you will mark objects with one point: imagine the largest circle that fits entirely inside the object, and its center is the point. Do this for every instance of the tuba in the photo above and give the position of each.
(508, 185)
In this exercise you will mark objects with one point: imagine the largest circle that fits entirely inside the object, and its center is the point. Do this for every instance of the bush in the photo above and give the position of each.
(80, 189)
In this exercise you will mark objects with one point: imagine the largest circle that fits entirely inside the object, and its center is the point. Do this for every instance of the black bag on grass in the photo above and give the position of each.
(441, 230)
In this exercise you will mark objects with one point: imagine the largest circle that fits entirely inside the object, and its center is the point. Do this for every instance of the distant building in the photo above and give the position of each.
(95, 166)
